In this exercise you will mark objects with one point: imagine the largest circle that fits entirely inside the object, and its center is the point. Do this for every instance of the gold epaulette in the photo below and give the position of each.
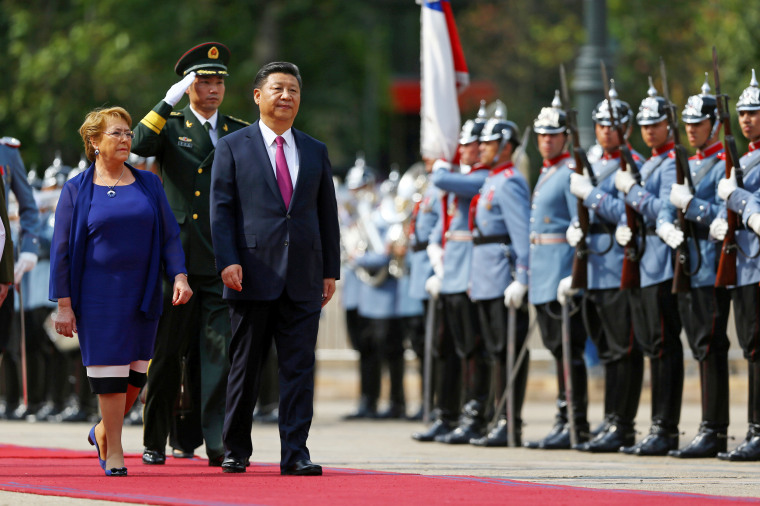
(237, 120)
(175, 113)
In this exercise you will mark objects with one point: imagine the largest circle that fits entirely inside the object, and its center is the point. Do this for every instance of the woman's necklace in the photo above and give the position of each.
(111, 193)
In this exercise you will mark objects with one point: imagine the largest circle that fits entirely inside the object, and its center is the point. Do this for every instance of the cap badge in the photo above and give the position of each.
(213, 53)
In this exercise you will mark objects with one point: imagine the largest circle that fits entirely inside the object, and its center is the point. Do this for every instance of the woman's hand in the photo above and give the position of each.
(182, 290)
(64, 320)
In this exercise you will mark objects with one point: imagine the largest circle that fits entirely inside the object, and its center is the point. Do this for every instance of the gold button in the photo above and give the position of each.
(195, 216)
(197, 193)
(200, 171)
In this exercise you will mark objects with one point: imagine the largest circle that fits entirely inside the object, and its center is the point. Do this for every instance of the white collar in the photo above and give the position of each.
(270, 136)
(213, 119)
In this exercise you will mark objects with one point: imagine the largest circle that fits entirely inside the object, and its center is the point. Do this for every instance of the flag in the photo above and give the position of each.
(444, 75)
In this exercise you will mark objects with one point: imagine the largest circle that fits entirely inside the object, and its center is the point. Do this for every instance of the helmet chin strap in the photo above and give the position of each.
(502, 145)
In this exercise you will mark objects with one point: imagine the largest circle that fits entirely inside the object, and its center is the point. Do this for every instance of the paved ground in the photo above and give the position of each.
(387, 446)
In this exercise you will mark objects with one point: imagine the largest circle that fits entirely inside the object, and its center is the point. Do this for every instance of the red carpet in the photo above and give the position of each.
(70, 473)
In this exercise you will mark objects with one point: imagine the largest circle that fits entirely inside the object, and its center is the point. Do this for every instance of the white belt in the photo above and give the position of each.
(557, 238)
(458, 235)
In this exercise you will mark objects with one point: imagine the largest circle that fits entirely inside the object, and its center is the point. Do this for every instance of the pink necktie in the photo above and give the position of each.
(283, 174)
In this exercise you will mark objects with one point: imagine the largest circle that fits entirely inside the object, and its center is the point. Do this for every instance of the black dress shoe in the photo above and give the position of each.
(439, 428)
(656, 443)
(153, 457)
(461, 435)
(73, 414)
(610, 441)
(708, 442)
(233, 465)
(303, 467)
(748, 450)
(394, 412)
(556, 431)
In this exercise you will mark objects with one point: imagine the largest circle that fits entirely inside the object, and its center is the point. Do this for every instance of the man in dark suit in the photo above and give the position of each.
(274, 225)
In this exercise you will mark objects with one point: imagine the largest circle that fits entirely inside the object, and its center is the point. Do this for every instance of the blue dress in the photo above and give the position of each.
(114, 279)
(109, 256)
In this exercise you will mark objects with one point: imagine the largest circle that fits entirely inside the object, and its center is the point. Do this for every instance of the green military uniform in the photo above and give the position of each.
(185, 152)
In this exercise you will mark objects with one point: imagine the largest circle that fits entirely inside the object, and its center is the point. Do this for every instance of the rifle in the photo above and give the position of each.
(726, 275)
(682, 272)
(580, 260)
(630, 277)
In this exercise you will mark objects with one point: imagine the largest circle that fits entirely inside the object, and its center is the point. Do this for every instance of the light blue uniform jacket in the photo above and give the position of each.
(657, 177)
(553, 208)
(14, 177)
(706, 171)
(424, 221)
(503, 208)
(457, 257)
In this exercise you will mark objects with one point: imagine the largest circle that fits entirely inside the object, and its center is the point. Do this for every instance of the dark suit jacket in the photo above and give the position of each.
(292, 249)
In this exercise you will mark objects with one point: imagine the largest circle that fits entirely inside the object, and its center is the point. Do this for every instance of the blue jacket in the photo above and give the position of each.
(424, 219)
(747, 269)
(707, 169)
(14, 176)
(457, 256)
(67, 251)
(503, 209)
(606, 205)
(552, 210)
(657, 177)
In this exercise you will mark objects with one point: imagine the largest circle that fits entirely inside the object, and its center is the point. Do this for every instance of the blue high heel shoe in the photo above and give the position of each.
(94, 442)
(116, 471)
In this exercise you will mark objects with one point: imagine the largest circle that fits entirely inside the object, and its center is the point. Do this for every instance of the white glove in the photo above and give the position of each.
(564, 290)
(726, 186)
(623, 234)
(435, 254)
(442, 165)
(514, 294)
(580, 186)
(433, 286)
(680, 196)
(574, 234)
(753, 222)
(26, 262)
(719, 228)
(177, 91)
(624, 181)
(670, 235)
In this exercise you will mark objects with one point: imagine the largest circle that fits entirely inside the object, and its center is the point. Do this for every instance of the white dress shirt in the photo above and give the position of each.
(289, 146)
(212, 120)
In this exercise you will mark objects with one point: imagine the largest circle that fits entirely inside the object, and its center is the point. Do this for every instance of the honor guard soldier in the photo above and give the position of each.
(499, 273)
(183, 143)
(654, 308)
(553, 209)
(360, 183)
(14, 177)
(606, 309)
(448, 369)
(746, 294)
(453, 250)
(704, 308)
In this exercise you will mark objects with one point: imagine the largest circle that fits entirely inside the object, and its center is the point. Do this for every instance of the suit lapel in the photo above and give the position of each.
(304, 154)
(260, 153)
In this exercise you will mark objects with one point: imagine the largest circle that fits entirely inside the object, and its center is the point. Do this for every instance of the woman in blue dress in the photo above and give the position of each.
(114, 237)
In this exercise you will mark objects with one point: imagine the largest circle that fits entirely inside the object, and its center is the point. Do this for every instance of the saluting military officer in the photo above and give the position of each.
(183, 144)
(15, 180)
(499, 274)
(551, 260)
(703, 309)
(746, 294)
(607, 313)
(451, 254)
(654, 307)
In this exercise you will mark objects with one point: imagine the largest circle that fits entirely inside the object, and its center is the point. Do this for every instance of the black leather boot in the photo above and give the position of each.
(560, 419)
(496, 437)
(712, 436)
(366, 409)
(617, 435)
(442, 425)
(563, 440)
(471, 425)
(749, 449)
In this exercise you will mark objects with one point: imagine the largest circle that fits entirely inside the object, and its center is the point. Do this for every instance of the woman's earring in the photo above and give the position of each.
(97, 151)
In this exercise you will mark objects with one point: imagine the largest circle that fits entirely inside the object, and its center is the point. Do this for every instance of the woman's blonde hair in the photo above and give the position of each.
(95, 124)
